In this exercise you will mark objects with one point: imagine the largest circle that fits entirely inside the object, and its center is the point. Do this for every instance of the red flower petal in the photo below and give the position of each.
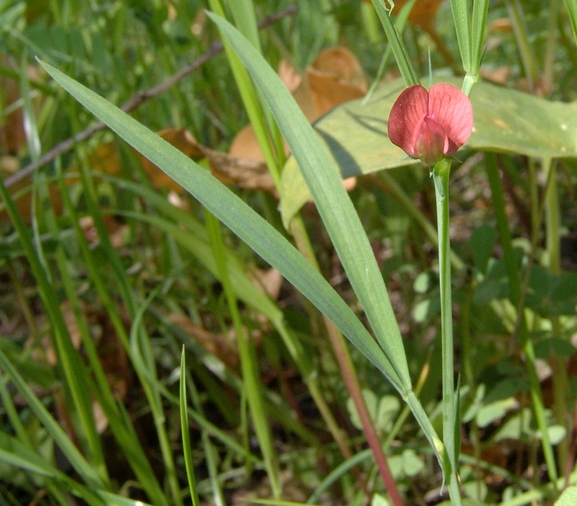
(406, 115)
(453, 111)
(431, 142)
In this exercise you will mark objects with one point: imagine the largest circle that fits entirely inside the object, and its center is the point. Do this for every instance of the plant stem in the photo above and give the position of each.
(441, 173)
(557, 363)
(250, 374)
(516, 299)
(350, 378)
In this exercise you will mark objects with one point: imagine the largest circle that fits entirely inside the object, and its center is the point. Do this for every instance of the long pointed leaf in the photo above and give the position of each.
(334, 205)
(234, 213)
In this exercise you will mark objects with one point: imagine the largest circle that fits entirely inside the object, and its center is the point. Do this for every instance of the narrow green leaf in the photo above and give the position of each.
(339, 216)
(188, 463)
(81, 466)
(13, 452)
(334, 205)
(480, 11)
(234, 213)
(568, 497)
(572, 8)
(461, 18)
(245, 19)
(29, 116)
(70, 364)
(399, 50)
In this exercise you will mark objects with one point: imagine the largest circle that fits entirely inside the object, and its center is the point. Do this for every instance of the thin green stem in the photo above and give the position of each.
(516, 298)
(560, 380)
(552, 37)
(388, 184)
(349, 375)
(399, 50)
(572, 9)
(188, 462)
(527, 54)
(441, 173)
(250, 375)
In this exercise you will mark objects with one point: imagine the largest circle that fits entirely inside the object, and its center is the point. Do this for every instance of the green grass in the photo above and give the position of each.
(142, 360)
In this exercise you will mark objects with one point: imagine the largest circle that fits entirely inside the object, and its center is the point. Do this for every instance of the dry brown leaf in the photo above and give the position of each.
(12, 135)
(299, 88)
(335, 77)
(184, 141)
(270, 281)
(20, 191)
(245, 145)
(244, 172)
(289, 75)
(222, 346)
(422, 14)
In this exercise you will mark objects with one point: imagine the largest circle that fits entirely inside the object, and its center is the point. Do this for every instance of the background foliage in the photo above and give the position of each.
(111, 274)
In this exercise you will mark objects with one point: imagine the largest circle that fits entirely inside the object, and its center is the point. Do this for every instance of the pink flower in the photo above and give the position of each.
(430, 125)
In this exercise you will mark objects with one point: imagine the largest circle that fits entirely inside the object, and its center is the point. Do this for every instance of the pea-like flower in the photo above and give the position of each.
(430, 125)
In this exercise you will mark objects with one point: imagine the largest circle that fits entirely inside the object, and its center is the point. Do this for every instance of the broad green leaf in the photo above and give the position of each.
(382, 411)
(505, 121)
(556, 434)
(489, 413)
(568, 497)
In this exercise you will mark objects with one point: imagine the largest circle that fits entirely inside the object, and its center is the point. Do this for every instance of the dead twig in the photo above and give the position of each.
(134, 102)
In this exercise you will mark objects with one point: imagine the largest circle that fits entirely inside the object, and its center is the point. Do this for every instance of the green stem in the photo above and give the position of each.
(516, 299)
(441, 173)
(552, 38)
(348, 372)
(558, 364)
(527, 54)
(250, 375)
(387, 183)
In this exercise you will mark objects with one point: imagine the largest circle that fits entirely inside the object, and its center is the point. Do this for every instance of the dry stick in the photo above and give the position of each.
(138, 99)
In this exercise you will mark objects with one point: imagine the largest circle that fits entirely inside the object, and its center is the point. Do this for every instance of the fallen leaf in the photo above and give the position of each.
(335, 77)
(422, 14)
(229, 169)
(223, 345)
(12, 134)
(270, 281)
(184, 141)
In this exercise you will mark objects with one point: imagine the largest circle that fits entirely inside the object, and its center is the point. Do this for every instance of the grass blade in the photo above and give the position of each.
(234, 213)
(333, 203)
(188, 464)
